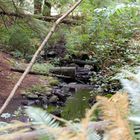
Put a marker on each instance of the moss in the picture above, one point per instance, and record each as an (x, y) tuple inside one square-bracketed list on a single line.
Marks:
[(42, 68), (108, 95), (52, 81), (37, 89)]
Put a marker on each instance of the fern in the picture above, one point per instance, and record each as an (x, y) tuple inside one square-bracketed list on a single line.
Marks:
[(39, 116), (131, 83), (117, 9), (72, 132), (115, 110)]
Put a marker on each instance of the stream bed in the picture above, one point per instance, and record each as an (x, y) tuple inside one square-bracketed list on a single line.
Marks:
[(75, 105)]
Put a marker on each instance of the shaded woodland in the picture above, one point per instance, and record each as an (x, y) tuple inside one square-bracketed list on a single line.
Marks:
[(69, 70)]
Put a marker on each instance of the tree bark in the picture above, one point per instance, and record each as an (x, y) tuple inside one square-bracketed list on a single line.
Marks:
[(36, 54), (66, 71)]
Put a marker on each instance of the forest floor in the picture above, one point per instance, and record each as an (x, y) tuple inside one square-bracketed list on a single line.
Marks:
[(7, 82)]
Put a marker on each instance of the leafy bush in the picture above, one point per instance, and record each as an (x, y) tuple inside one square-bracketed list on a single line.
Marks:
[(105, 31)]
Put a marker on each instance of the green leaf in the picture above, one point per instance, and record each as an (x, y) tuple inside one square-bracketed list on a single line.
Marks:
[(40, 116)]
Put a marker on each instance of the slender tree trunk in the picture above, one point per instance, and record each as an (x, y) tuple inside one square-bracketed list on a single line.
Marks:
[(42, 6), (36, 54)]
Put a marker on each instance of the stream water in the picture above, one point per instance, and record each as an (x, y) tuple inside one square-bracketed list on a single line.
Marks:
[(76, 105)]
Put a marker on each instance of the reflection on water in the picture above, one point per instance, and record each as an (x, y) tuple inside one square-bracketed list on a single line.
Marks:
[(76, 105)]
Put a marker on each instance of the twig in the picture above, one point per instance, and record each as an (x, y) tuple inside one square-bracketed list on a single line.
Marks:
[(36, 54)]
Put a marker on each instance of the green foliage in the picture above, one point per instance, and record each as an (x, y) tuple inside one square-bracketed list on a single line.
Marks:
[(37, 89), (4, 35), (42, 67), (131, 84), (40, 116), (105, 31), (7, 6), (19, 41), (54, 131), (52, 81), (76, 106), (21, 38)]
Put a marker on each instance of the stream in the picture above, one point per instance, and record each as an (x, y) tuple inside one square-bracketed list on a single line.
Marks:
[(75, 105)]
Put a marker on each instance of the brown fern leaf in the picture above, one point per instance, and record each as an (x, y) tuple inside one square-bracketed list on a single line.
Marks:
[(121, 100), (88, 116), (82, 134), (115, 110), (71, 136)]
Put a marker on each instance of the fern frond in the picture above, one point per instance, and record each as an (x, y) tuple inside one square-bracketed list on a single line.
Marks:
[(82, 134), (39, 116), (115, 110), (131, 84), (82, 130), (72, 131)]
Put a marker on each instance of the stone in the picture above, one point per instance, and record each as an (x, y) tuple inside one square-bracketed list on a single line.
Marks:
[(31, 102), (89, 67), (51, 54), (23, 93), (25, 102), (45, 106), (60, 103), (38, 102), (45, 100), (53, 99), (32, 96), (48, 93), (61, 97)]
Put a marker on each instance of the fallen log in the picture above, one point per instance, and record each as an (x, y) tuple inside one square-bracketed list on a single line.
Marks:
[(31, 72), (79, 74), (82, 62), (66, 71), (40, 73), (62, 76), (44, 18), (69, 73)]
